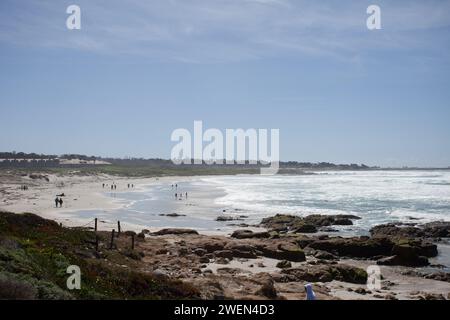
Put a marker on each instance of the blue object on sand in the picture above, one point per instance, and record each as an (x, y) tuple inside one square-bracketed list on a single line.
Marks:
[(310, 295)]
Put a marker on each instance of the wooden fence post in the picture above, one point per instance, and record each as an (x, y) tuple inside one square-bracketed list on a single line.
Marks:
[(132, 242), (95, 225), (118, 229), (112, 239)]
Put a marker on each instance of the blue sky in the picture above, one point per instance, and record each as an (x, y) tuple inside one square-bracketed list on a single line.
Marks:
[(137, 70)]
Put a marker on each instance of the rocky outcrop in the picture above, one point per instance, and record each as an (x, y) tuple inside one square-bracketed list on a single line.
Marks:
[(414, 247), (324, 255), (249, 234), (401, 230), (436, 230), (284, 264), (268, 290), (229, 218), (409, 261), (173, 215), (308, 224), (282, 251), (330, 220), (405, 252), (174, 231), (439, 276), (411, 253), (242, 250), (354, 247), (396, 231), (324, 273)]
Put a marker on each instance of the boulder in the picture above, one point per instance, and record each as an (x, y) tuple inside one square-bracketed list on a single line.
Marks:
[(174, 231), (343, 222), (308, 224), (326, 273), (330, 220), (212, 246), (222, 260), (204, 259), (200, 252), (289, 252), (396, 230), (173, 215), (303, 228), (413, 261), (248, 234), (439, 276), (224, 254), (415, 248), (228, 218), (439, 229), (354, 247), (323, 255), (411, 253), (284, 264), (242, 250), (280, 222), (268, 290)]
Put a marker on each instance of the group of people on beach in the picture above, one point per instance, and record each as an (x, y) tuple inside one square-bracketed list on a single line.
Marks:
[(179, 195), (58, 201), (23, 187), (114, 186)]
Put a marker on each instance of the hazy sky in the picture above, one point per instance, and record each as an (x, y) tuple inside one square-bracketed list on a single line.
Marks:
[(137, 70)]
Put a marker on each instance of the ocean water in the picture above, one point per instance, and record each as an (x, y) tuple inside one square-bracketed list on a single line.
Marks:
[(375, 196)]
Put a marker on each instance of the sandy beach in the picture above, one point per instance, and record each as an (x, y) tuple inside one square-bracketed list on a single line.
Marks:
[(85, 198), (80, 193)]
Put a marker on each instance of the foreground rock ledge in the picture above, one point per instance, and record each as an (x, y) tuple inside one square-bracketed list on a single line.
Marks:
[(185, 264)]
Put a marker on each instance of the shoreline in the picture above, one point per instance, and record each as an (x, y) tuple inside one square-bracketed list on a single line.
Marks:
[(82, 193), (85, 196)]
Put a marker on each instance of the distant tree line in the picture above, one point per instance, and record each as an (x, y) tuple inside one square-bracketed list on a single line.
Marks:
[(29, 163), (22, 159), (23, 155)]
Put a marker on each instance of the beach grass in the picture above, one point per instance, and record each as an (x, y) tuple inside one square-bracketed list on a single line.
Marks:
[(35, 254)]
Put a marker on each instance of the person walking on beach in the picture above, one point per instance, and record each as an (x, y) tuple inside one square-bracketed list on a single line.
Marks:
[(186, 195), (56, 202), (112, 187), (60, 202), (176, 195)]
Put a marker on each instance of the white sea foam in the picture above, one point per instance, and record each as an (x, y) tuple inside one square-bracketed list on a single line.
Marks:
[(376, 196)]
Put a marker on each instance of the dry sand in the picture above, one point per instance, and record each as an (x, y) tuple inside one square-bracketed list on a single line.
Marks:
[(81, 193)]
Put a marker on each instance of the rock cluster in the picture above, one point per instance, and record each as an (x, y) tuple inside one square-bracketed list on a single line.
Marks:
[(308, 224)]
